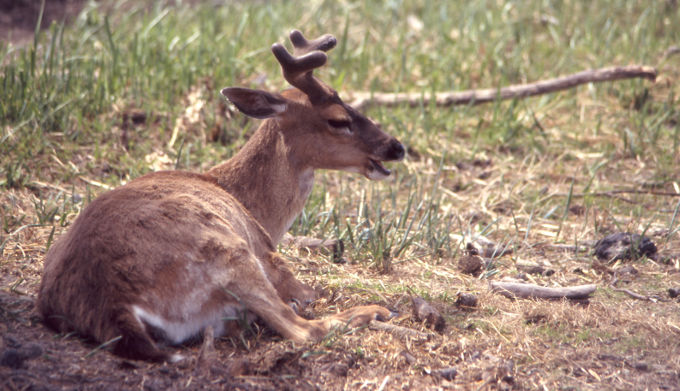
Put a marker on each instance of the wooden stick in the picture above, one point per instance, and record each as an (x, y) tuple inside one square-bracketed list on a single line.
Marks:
[(361, 100), (614, 193), (514, 290), (652, 298)]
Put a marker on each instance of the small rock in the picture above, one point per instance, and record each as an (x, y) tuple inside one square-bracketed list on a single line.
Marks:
[(674, 292), (628, 269), (424, 311), (486, 248), (641, 366), (471, 264), (12, 358), (625, 246), (338, 250), (338, 369), (446, 373), (410, 359), (506, 371), (471, 249), (535, 317), (466, 300), (15, 358), (535, 269), (11, 341), (32, 350)]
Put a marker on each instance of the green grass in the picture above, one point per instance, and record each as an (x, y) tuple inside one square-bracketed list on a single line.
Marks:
[(65, 94)]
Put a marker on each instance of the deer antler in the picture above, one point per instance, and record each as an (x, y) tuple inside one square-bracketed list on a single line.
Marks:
[(303, 46), (309, 55)]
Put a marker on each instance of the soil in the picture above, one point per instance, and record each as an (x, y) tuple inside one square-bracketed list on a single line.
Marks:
[(18, 18)]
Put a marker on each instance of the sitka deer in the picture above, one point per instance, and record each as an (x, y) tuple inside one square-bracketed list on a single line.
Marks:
[(158, 261)]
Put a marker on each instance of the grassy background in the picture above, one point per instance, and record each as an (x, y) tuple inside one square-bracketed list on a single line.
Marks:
[(94, 104)]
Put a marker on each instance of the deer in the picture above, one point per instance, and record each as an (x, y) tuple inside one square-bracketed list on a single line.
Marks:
[(161, 260)]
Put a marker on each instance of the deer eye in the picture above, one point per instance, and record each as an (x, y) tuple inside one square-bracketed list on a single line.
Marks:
[(339, 124)]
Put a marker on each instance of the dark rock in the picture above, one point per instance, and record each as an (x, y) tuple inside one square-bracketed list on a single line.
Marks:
[(535, 269), (12, 358), (471, 264), (424, 311), (640, 366), (471, 249), (15, 357), (446, 373), (466, 300), (11, 341), (338, 369), (674, 292), (625, 246), (32, 350)]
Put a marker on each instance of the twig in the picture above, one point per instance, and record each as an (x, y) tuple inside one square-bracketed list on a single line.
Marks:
[(614, 194), (514, 289), (637, 296), (652, 298), (95, 183), (451, 98), (671, 51), (102, 346), (384, 383)]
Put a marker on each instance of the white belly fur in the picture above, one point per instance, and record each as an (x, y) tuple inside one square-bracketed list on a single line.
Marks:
[(178, 331)]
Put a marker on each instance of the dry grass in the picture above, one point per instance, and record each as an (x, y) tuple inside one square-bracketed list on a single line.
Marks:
[(615, 342)]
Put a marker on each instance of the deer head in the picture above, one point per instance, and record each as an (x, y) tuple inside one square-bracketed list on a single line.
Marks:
[(321, 131)]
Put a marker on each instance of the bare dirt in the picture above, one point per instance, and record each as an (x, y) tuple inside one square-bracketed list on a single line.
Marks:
[(18, 18)]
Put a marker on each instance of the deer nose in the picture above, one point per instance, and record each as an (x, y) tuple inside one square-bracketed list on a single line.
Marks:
[(396, 151)]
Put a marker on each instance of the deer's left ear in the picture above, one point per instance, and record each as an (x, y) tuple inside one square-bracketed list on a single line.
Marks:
[(255, 103)]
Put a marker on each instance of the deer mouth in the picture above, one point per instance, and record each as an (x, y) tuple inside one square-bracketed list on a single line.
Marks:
[(376, 171)]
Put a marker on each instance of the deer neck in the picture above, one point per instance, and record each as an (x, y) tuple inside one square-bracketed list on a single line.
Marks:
[(268, 179)]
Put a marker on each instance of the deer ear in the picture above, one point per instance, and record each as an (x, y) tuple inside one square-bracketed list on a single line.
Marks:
[(255, 103)]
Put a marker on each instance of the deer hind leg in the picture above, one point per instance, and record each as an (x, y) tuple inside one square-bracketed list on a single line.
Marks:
[(299, 295), (135, 342), (262, 298)]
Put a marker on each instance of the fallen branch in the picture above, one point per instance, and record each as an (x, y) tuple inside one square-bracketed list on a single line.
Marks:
[(360, 100), (614, 194), (514, 290), (637, 296), (399, 331)]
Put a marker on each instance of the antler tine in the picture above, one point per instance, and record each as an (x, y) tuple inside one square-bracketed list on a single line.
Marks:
[(302, 46), (309, 55)]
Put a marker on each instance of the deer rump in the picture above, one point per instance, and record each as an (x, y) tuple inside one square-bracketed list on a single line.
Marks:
[(170, 254), (154, 258)]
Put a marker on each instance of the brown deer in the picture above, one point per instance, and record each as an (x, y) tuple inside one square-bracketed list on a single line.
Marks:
[(163, 258)]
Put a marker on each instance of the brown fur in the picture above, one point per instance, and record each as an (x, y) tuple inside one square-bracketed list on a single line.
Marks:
[(171, 253)]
